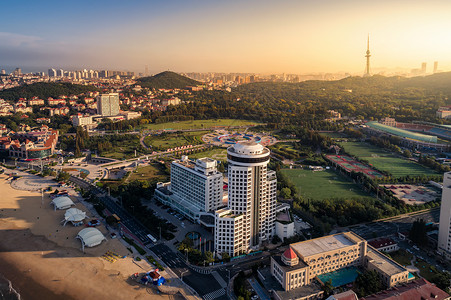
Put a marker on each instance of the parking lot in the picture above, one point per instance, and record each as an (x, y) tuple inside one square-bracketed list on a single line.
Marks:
[(183, 225)]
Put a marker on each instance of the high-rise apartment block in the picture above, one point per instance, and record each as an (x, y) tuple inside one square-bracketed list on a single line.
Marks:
[(423, 68), (52, 73), (252, 201), (108, 104), (196, 187), (444, 232), (435, 67)]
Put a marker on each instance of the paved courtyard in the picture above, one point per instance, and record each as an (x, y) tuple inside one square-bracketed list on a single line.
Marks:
[(28, 182)]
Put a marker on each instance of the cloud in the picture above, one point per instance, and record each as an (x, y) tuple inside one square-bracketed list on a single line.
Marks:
[(10, 39)]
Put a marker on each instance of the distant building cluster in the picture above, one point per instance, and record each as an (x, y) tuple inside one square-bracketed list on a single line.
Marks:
[(89, 74)]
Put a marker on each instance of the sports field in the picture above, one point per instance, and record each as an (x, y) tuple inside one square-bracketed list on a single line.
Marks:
[(352, 165), (200, 124), (323, 184), (385, 160)]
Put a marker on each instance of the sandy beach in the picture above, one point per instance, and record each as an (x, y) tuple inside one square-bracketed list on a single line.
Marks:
[(44, 260)]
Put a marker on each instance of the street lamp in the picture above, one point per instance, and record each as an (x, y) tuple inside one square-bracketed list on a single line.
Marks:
[(186, 251)]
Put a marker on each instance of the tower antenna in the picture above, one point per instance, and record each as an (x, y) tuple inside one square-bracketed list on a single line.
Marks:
[(368, 55)]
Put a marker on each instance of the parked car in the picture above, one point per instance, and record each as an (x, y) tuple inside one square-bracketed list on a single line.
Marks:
[(93, 223)]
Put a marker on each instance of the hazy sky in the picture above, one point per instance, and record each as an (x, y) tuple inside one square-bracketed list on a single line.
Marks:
[(297, 36)]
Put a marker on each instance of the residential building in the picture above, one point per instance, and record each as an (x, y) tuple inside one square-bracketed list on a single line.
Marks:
[(35, 101), (419, 289), (443, 112), (54, 102), (108, 104), (131, 114), (83, 120), (171, 101), (252, 194), (196, 187), (444, 231), (386, 245), (52, 73), (348, 295), (388, 121)]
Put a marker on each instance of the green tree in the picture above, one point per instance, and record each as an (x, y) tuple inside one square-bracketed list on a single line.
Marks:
[(285, 193), (418, 234), (327, 288), (367, 283)]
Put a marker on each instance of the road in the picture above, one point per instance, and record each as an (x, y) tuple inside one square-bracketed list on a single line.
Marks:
[(206, 285), (127, 219)]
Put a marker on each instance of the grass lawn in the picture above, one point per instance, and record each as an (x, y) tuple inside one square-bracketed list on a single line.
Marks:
[(216, 153), (385, 160), (199, 124), (426, 270), (401, 256), (171, 140), (323, 184), (117, 155), (150, 172)]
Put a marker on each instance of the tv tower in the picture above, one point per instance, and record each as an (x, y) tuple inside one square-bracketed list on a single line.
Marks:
[(368, 55)]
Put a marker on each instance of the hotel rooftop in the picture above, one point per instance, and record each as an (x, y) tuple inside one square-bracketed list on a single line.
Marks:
[(384, 264), (326, 244)]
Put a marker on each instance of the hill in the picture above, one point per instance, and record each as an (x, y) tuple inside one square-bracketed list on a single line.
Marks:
[(376, 97), (44, 90), (167, 80)]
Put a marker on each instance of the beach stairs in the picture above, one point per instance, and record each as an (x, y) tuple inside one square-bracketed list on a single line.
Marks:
[(110, 256)]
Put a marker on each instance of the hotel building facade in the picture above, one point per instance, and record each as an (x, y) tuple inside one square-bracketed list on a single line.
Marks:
[(196, 187), (304, 261), (252, 201)]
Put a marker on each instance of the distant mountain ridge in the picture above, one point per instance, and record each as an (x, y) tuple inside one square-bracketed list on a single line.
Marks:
[(167, 80), (45, 90)]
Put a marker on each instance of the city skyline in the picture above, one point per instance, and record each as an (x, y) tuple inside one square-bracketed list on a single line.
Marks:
[(256, 37)]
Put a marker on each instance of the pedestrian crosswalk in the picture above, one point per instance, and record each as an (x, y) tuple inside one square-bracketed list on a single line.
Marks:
[(219, 279), (214, 294)]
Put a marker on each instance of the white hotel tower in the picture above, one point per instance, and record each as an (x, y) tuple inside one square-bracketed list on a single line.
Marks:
[(249, 219), (444, 231)]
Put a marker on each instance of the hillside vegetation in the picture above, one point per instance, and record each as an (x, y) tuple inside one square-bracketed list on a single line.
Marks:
[(406, 99), (167, 80), (44, 90)]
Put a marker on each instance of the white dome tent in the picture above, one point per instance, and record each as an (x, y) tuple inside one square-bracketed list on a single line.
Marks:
[(90, 237), (62, 202), (74, 215)]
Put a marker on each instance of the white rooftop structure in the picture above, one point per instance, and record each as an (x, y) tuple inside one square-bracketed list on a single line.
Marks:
[(248, 148), (74, 215), (90, 237), (325, 244), (62, 202)]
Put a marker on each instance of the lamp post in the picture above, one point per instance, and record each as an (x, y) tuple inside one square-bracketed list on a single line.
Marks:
[(186, 251)]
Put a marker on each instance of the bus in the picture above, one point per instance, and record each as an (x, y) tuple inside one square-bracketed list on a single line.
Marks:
[(117, 218), (152, 238)]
